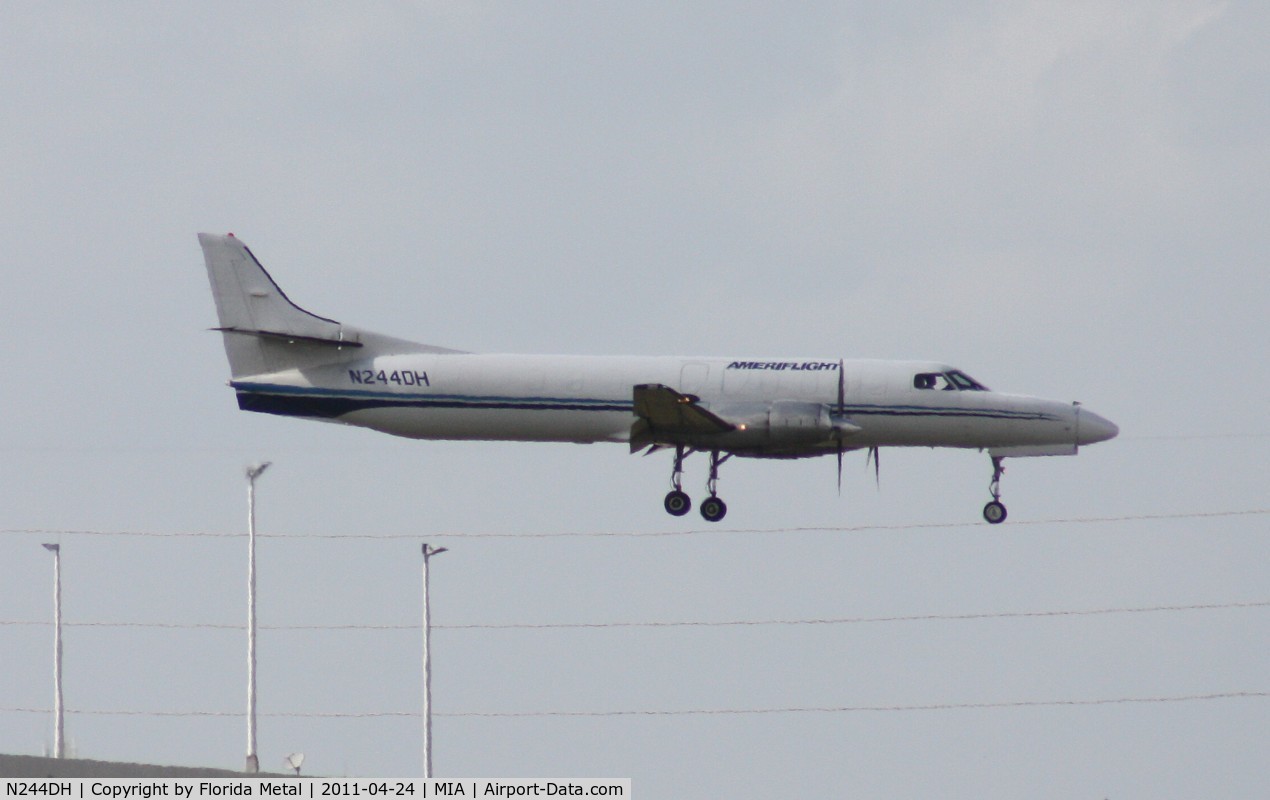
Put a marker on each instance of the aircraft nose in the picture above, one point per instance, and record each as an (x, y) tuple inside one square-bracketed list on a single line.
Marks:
[(1094, 428)]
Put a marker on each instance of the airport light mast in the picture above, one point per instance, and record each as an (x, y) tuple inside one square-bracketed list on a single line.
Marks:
[(428, 552), (253, 472), (59, 746)]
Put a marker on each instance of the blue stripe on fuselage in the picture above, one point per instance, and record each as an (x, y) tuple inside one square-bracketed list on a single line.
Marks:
[(297, 401), (302, 401), (929, 411)]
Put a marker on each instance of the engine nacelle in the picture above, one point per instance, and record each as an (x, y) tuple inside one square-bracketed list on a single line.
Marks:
[(798, 422), (778, 425)]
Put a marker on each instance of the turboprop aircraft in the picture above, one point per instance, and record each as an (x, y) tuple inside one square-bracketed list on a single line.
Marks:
[(285, 360)]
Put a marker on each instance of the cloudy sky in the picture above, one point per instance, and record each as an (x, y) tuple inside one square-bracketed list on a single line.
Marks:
[(1063, 199)]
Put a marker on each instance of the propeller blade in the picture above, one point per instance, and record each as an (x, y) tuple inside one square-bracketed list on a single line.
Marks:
[(841, 412), (877, 465), (842, 390)]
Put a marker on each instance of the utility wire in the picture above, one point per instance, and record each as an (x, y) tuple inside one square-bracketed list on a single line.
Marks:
[(673, 624), (1190, 436), (684, 712), (863, 620), (852, 709), (603, 534)]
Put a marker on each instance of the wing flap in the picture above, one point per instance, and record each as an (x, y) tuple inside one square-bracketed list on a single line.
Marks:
[(667, 416)]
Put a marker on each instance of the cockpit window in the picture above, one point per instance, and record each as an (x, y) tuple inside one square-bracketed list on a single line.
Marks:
[(964, 381), (953, 380)]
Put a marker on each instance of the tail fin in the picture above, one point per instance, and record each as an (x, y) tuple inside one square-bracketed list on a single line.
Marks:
[(265, 332)]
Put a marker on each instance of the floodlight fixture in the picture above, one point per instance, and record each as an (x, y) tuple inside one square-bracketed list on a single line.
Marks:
[(254, 470)]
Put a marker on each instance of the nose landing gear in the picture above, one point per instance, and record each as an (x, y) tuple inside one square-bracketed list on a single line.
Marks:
[(994, 512)]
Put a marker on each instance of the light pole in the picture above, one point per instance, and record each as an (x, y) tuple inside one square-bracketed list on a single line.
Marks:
[(428, 552), (59, 748), (253, 472)]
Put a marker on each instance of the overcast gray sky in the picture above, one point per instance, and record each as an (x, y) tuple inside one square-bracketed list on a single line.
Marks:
[(1062, 199)]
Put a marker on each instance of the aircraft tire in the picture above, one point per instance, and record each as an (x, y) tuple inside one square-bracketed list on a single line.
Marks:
[(994, 513), (678, 503), (713, 509)]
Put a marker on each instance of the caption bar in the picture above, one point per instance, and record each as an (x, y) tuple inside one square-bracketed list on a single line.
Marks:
[(204, 789)]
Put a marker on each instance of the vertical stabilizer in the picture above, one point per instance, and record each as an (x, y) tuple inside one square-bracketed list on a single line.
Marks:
[(247, 299), (264, 331)]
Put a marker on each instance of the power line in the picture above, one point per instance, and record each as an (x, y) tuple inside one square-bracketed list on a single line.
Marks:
[(1191, 436), (676, 623), (865, 620), (640, 534), (951, 706), (684, 712), (148, 534)]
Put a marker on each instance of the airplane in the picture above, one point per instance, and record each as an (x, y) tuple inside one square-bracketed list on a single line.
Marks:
[(287, 361)]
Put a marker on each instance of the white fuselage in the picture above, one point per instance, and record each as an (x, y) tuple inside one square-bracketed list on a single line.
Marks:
[(589, 399)]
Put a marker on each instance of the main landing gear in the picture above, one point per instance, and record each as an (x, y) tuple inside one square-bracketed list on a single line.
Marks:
[(712, 508), (994, 512), (677, 501)]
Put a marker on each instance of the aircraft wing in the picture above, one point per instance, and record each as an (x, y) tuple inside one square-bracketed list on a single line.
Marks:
[(666, 416)]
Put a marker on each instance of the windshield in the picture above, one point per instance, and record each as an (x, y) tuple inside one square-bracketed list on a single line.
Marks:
[(952, 381)]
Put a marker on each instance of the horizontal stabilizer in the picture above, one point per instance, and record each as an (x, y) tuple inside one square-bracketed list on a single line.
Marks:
[(292, 338)]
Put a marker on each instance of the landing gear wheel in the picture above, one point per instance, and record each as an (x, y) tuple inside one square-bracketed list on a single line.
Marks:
[(994, 511), (713, 509), (678, 503)]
